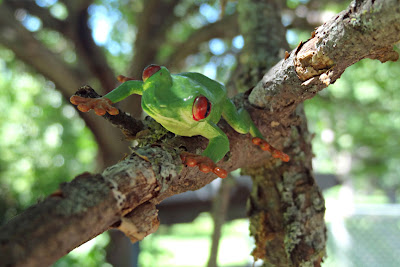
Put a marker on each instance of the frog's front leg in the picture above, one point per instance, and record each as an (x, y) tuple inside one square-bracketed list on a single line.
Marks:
[(218, 146), (241, 121), (104, 104)]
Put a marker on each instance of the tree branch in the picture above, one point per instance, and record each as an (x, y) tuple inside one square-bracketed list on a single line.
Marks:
[(366, 30), (279, 208), (151, 33), (149, 38), (45, 16), (75, 6), (86, 48), (127, 124), (76, 28), (227, 27), (91, 203), (18, 39)]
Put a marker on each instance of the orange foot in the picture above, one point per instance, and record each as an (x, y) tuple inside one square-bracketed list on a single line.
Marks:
[(205, 164), (100, 105), (267, 147)]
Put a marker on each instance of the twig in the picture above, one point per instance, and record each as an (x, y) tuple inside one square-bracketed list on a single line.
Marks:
[(126, 123)]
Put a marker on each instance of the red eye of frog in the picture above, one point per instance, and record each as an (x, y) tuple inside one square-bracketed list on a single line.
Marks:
[(201, 108), (149, 71)]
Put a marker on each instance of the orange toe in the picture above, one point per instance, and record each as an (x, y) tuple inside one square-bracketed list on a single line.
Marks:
[(204, 167), (205, 164), (220, 172), (113, 111), (285, 157), (267, 147), (83, 108), (100, 111), (256, 140), (191, 162)]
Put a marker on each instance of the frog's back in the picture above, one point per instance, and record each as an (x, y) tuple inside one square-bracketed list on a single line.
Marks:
[(216, 89)]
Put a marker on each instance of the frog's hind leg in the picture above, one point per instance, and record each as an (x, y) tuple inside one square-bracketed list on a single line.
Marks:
[(241, 121), (218, 146)]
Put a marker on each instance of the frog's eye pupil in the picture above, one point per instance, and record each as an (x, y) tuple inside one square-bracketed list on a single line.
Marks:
[(149, 71), (201, 108)]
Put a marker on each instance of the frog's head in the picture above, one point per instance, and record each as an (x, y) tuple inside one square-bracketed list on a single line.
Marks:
[(154, 75)]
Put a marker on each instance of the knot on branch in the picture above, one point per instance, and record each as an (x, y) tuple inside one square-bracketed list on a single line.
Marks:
[(140, 222), (384, 54), (310, 61)]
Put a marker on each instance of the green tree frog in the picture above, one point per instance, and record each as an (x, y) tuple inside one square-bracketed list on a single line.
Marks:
[(186, 104)]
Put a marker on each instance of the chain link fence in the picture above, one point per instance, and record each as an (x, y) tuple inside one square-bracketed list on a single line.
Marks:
[(368, 237)]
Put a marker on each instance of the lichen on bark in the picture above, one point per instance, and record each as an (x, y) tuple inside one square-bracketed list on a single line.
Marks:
[(287, 225)]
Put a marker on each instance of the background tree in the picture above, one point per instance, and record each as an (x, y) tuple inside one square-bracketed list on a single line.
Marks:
[(57, 39)]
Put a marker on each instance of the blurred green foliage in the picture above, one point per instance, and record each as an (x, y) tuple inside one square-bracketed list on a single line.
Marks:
[(189, 244), (43, 142), (92, 253), (357, 126)]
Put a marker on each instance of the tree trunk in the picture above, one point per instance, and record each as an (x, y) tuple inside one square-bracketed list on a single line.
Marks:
[(287, 228)]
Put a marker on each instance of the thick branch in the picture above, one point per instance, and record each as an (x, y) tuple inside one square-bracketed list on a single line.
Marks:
[(287, 209), (92, 203), (86, 48), (366, 30), (279, 207)]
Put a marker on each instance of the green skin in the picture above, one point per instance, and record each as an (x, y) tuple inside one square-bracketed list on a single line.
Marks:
[(168, 98)]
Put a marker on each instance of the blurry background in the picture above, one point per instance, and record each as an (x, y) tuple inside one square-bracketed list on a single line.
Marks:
[(48, 48)]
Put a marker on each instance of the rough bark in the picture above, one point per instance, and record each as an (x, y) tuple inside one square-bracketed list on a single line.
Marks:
[(286, 208), (287, 228), (367, 29), (92, 203), (124, 195)]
